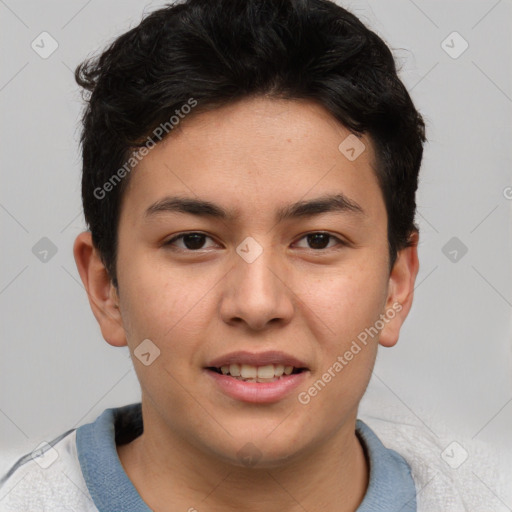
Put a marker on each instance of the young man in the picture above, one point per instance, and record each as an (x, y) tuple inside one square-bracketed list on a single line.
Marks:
[(249, 178)]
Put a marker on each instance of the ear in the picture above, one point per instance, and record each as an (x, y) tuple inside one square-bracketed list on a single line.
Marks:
[(102, 294), (400, 291)]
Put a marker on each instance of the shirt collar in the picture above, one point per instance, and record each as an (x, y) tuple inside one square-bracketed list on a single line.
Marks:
[(390, 485), (108, 484)]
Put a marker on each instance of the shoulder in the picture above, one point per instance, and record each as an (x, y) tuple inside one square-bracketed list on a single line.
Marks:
[(49, 478), (448, 471)]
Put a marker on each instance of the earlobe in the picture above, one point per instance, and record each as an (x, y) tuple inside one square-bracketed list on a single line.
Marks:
[(400, 291), (101, 293)]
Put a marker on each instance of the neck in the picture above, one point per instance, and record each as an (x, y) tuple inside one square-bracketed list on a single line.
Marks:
[(174, 475)]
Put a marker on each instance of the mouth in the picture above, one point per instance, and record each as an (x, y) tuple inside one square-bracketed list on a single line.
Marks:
[(257, 377), (250, 373)]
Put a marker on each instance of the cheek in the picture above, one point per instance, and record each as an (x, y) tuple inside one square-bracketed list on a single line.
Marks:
[(167, 306), (346, 301), (170, 310), (348, 306)]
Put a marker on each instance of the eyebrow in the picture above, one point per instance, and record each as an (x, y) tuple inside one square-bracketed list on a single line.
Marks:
[(337, 203)]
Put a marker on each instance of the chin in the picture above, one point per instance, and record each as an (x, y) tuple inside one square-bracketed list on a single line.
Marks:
[(264, 449)]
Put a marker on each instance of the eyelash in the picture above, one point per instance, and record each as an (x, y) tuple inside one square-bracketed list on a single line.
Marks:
[(182, 235)]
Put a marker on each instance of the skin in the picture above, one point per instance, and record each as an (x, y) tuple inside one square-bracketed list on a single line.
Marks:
[(253, 156)]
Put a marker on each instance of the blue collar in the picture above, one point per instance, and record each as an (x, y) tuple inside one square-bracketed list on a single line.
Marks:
[(390, 487), (108, 484)]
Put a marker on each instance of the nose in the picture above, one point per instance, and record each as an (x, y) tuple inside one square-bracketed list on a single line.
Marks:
[(257, 294)]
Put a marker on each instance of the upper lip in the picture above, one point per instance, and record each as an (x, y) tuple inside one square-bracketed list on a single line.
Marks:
[(256, 359)]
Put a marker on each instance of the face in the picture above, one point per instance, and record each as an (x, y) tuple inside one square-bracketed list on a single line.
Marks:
[(250, 243)]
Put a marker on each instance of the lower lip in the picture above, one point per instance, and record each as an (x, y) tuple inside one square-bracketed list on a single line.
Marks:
[(257, 392)]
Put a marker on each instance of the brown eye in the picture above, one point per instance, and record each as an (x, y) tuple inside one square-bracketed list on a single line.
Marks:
[(189, 241), (319, 241)]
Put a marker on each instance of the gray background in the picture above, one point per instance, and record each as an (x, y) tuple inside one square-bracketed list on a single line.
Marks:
[(452, 368)]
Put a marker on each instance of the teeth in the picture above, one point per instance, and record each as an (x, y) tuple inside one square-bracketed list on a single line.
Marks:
[(266, 372), (249, 373), (234, 370), (278, 370)]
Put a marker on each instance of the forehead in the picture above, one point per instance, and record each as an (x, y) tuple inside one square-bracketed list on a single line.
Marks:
[(259, 150)]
